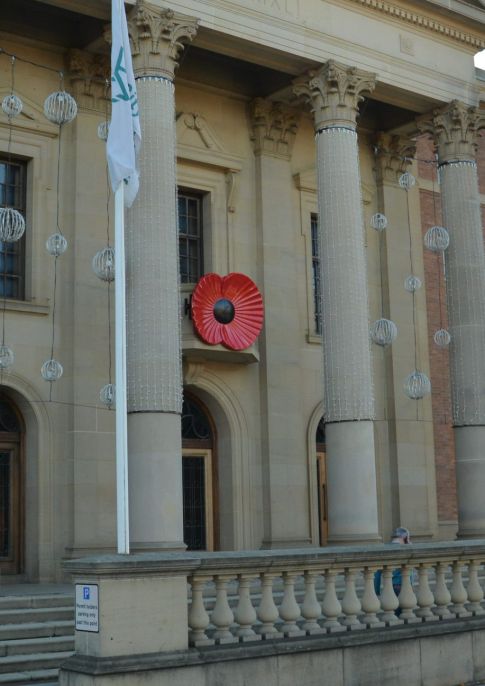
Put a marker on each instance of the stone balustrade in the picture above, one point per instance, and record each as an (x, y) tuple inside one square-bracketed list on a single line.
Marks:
[(279, 595)]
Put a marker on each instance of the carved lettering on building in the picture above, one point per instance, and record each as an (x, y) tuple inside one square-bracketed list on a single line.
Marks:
[(288, 8)]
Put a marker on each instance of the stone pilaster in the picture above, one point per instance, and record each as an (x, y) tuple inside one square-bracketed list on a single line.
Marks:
[(153, 318), (334, 92), (455, 128), (409, 424), (274, 128)]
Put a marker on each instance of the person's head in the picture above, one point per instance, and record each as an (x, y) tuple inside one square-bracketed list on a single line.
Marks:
[(402, 534)]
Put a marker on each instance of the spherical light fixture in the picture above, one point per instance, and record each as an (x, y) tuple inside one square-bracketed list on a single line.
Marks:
[(12, 105), (417, 385), (437, 239), (103, 130), (104, 264), (412, 283), (60, 107), (378, 221), (12, 225), (51, 370), (56, 245), (383, 332), (407, 180), (107, 395), (442, 338), (6, 357)]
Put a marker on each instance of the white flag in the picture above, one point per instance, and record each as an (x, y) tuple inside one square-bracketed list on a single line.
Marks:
[(124, 136)]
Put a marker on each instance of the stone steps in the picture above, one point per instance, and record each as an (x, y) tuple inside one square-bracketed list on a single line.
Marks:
[(36, 636)]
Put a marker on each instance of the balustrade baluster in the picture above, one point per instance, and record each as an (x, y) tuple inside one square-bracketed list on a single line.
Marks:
[(331, 606), (442, 596), (407, 598), (459, 595), (289, 608), (350, 602), (370, 601), (222, 616), (267, 610), (389, 600), (311, 609), (198, 617), (475, 591), (245, 614), (425, 597)]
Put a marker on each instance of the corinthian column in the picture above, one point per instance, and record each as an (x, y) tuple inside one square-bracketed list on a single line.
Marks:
[(455, 129), (152, 298), (334, 92)]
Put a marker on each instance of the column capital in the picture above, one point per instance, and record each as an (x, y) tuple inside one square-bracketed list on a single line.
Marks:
[(454, 128), (157, 37), (334, 92), (274, 126), (89, 75), (394, 154)]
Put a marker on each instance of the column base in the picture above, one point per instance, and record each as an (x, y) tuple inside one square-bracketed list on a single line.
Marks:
[(357, 539), (157, 546)]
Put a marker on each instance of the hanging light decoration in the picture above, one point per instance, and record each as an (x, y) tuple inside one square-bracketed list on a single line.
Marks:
[(412, 283), (56, 244), (417, 385), (60, 107), (104, 264), (378, 221), (437, 239), (12, 225), (383, 332), (407, 180), (6, 357), (51, 370), (103, 130), (442, 338), (107, 395), (12, 105)]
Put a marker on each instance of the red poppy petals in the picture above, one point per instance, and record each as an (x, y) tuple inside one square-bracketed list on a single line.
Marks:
[(247, 322)]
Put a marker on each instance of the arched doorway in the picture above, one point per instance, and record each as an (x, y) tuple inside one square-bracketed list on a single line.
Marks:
[(322, 483), (199, 476), (11, 488)]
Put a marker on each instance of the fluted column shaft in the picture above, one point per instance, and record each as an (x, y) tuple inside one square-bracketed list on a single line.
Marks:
[(455, 129), (334, 93), (153, 318)]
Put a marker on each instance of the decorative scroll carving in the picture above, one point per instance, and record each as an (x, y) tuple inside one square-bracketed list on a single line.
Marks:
[(394, 154), (157, 38), (334, 92), (89, 75), (274, 127), (455, 130)]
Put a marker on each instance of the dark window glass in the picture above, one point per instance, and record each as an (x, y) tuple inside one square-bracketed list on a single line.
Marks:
[(320, 437), (5, 488), (190, 236), (194, 502), (317, 287), (12, 255)]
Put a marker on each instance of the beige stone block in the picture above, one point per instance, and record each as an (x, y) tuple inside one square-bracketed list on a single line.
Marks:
[(447, 660), (387, 664)]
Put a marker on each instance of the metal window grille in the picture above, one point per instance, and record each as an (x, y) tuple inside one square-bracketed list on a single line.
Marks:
[(12, 255), (190, 236), (316, 266)]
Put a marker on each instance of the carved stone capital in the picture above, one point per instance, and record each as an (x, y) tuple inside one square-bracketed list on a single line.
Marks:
[(455, 130), (334, 92), (274, 127), (394, 154), (157, 38), (89, 75)]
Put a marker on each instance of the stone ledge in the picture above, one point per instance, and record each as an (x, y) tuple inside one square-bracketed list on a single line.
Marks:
[(192, 657)]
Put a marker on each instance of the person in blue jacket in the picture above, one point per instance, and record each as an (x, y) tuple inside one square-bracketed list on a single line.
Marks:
[(400, 536)]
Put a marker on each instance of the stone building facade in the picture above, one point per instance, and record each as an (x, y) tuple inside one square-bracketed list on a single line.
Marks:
[(283, 117)]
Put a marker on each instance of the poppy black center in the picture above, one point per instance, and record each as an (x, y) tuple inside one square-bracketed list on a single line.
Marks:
[(224, 311)]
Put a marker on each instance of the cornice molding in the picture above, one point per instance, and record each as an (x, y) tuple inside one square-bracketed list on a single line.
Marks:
[(422, 21)]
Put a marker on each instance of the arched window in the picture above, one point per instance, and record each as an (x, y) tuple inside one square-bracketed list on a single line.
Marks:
[(11, 489), (198, 474), (322, 482)]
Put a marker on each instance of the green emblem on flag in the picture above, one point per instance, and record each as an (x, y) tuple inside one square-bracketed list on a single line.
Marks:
[(123, 94)]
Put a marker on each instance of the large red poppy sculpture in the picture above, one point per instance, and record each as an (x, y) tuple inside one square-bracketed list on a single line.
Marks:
[(228, 310)]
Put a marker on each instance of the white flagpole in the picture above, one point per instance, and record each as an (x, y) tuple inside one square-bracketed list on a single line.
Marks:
[(122, 512)]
